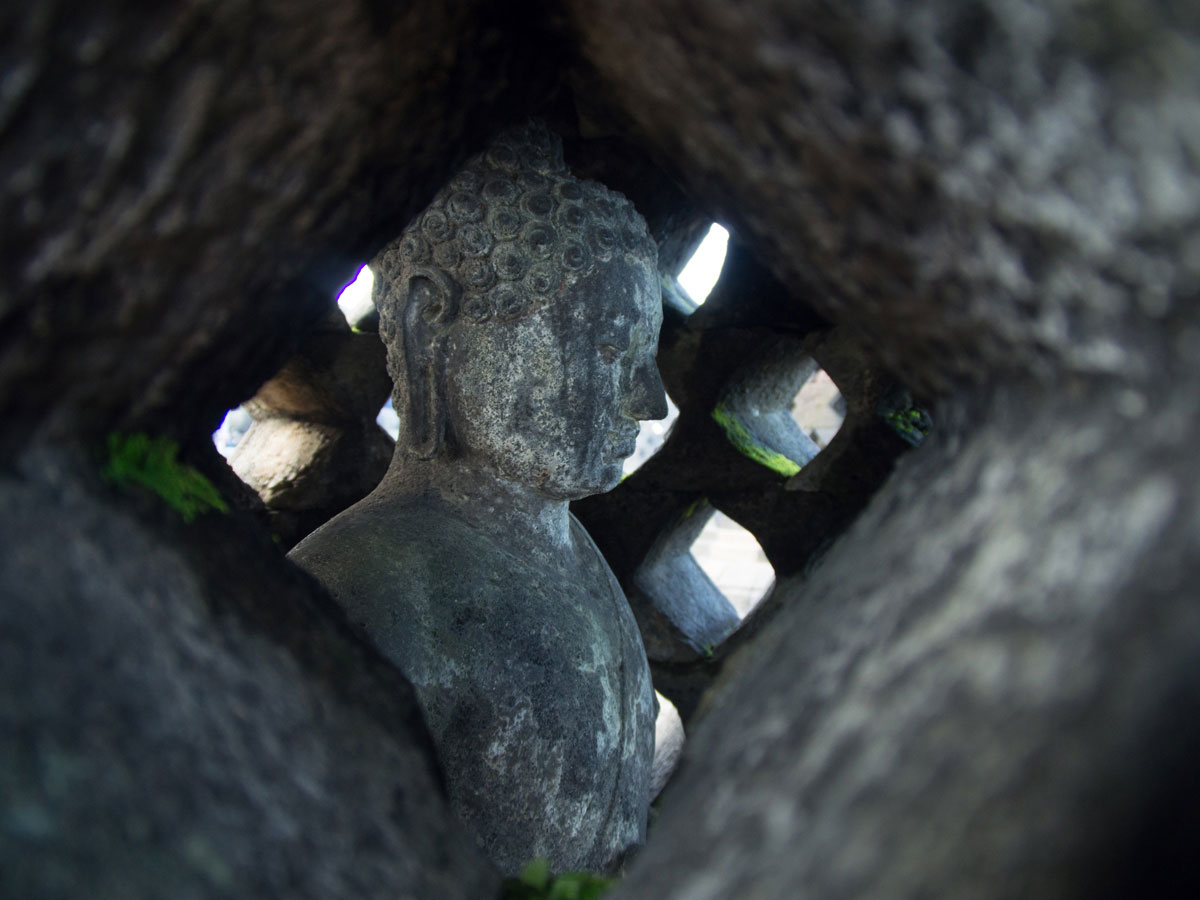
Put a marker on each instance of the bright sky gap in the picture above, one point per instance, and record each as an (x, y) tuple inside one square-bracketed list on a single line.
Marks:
[(704, 268)]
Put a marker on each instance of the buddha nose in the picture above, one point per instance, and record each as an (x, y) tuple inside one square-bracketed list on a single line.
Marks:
[(646, 398)]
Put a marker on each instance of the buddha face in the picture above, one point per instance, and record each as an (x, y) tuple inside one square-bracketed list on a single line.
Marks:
[(553, 400)]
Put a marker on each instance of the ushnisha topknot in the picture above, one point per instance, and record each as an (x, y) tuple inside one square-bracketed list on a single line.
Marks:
[(512, 229)]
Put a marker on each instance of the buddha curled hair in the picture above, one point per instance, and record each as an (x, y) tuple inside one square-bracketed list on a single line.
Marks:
[(512, 229)]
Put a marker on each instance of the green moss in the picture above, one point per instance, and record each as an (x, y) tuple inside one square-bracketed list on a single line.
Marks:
[(741, 438), (912, 424), (206, 859), (151, 463), (536, 883)]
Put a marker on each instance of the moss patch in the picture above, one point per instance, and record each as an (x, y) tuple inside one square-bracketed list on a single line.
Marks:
[(912, 424), (746, 444), (536, 883), (151, 463)]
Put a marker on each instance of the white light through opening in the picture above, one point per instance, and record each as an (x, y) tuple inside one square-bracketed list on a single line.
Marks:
[(733, 560), (704, 268), (355, 299)]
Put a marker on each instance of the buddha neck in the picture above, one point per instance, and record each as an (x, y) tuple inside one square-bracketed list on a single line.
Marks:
[(514, 515)]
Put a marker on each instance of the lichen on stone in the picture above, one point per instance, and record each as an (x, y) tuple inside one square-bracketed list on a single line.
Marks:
[(746, 444), (912, 424)]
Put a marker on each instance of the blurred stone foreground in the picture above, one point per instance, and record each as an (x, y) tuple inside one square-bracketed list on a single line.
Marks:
[(979, 672)]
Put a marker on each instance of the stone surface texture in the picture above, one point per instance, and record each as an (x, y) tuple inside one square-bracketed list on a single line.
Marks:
[(1005, 706), (983, 685), (742, 351), (185, 186), (195, 172), (985, 689), (983, 188), (313, 447), (169, 727)]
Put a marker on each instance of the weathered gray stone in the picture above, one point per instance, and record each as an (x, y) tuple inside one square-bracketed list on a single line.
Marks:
[(204, 178), (716, 362), (669, 738), (186, 715), (989, 689), (981, 188), (680, 612), (314, 447), (521, 313)]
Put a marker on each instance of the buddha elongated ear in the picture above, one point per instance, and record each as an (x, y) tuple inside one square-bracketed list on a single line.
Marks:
[(430, 308)]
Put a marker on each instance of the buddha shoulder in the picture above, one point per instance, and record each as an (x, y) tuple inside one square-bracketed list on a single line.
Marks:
[(431, 592), (387, 552)]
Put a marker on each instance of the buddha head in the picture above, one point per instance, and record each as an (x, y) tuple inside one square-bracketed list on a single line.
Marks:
[(521, 313)]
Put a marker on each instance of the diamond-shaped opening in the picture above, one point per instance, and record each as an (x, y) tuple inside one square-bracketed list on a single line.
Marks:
[(819, 408), (686, 614), (754, 409), (389, 420), (355, 299), (734, 562), (700, 274)]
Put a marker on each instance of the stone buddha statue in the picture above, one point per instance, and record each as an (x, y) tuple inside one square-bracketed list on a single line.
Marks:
[(521, 314)]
